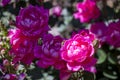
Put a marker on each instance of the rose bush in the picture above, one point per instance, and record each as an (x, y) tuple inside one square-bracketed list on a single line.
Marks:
[(29, 47)]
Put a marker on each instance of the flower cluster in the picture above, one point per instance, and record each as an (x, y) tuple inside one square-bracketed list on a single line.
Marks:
[(87, 10), (31, 24), (30, 41)]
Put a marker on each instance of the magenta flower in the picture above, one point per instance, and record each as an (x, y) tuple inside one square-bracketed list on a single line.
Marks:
[(60, 65), (65, 75), (6, 62), (92, 69), (22, 48), (99, 29), (113, 34), (14, 77), (57, 10), (93, 0), (33, 21), (78, 51), (15, 35), (10, 77), (4, 2), (21, 76), (49, 52), (23, 53), (87, 10)]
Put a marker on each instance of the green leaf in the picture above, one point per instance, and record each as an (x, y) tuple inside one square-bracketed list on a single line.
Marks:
[(112, 58), (101, 56), (110, 75)]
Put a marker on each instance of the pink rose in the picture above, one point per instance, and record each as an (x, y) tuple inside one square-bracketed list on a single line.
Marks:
[(78, 51), (57, 10), (87, 10), (22, 48)]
